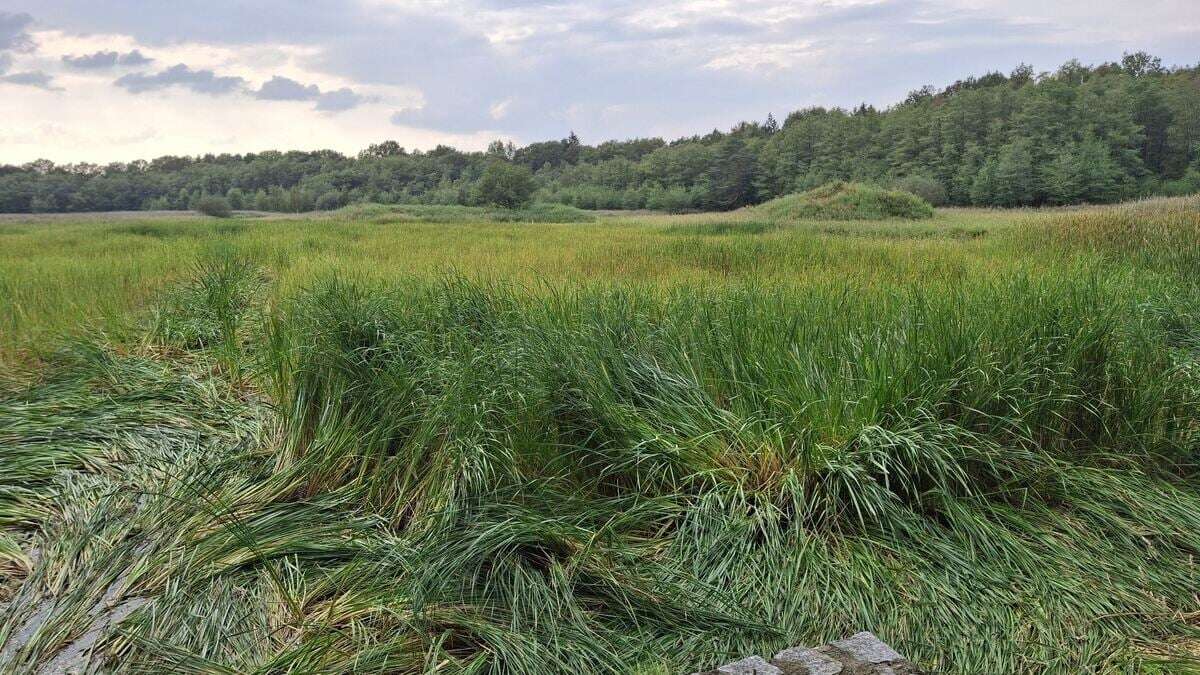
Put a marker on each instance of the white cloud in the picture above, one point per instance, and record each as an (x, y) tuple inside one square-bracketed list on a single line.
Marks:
[(779, 56), (499, 109)]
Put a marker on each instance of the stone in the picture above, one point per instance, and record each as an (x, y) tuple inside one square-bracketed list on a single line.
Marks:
[(867, 648), (76, 656), (754, 665), (802, 661), (859, 654)]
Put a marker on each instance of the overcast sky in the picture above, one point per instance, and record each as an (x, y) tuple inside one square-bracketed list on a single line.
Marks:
[(104, 80)]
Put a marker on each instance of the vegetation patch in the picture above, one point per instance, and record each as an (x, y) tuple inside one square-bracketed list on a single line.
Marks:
[(983, 450), (153, 230), (722, 228), (846, 201), (420, 213), (215, 206)]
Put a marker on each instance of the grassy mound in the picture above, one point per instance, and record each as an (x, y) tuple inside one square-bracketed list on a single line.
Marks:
[(847, 201)]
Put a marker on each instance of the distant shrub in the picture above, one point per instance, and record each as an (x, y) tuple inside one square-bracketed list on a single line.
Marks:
[(847, 201), (924, 187), (673, 199), (329, 201), (212, 205), (506, 185), (236, 197), (1188, 184)]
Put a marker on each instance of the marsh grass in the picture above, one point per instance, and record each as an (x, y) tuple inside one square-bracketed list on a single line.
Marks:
[(627, 446)]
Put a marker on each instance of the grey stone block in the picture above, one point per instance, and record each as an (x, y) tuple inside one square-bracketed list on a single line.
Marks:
[(867, 648), (754, 665), (859, 654), (803, 661)]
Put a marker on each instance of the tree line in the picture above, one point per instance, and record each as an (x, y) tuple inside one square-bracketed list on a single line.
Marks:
[(1079, 134)]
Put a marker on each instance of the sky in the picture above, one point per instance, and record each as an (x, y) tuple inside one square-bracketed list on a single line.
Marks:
[(116, 80)]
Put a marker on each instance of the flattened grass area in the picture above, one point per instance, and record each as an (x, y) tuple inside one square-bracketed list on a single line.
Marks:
[(373, 442)]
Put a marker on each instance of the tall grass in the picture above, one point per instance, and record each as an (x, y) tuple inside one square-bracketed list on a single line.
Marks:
[(988, 462)]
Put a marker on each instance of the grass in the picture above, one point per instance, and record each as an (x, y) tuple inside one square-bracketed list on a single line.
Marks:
[(646, 444), (403, 213)]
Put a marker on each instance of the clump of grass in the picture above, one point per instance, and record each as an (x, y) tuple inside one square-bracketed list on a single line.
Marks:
[(846, 201), (722, 228), (208, 310)]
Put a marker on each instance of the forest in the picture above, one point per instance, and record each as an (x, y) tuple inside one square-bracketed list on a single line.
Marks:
[(1081, 134)]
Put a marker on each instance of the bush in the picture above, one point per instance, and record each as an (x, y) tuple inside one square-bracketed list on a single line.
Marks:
[(1188, 184), (507, 185), (329, 201), (847, 201), (924, 187), (236, 197), (212, 205)]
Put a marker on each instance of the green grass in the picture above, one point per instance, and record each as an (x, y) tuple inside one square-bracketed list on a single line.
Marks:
[(647, 444), (534, 213)]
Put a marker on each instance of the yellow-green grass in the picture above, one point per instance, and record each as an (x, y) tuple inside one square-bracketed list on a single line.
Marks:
[(58, 276)]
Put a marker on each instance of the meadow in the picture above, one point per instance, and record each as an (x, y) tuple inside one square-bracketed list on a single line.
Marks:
[(423, 439)]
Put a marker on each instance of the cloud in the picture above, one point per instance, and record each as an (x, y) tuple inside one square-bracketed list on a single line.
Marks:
[(200, 81), (5, 63), (280, 88), (499, 109), (133, 58), (92, 61), (12, 32), (339, 100), (103, 60), (286, 89), (33, 78)]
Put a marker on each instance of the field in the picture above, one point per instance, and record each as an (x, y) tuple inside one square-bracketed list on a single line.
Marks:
[(400, 439)]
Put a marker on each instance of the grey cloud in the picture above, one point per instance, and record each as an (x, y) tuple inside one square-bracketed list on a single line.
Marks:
[(92, 61), (280, 88), (12, 32), (339, 100), (5, 63), (199, 81), (103, 60), (133, 58), (33, 78)]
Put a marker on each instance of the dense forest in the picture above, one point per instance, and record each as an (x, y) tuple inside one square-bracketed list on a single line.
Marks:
[(1079, 134)]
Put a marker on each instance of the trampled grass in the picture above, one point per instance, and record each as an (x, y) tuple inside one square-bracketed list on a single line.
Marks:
[(644, 444)]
